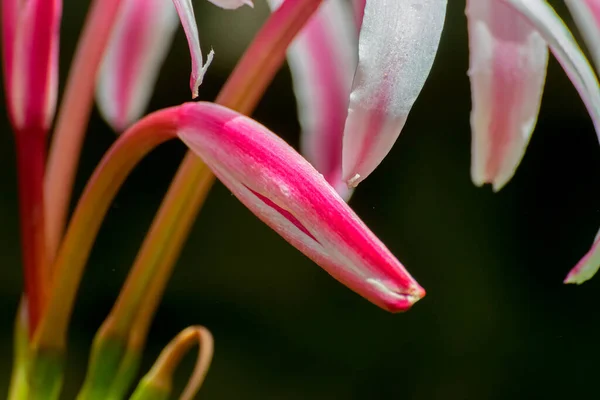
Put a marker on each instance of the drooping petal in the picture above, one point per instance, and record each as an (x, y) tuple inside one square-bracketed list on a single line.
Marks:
[(564, 47), (587, 15), (188, 21), (322, 60), (569, 55), (508, 60), (30, 39), (138, 46), (398, 43), (588, 266), (288, 194)]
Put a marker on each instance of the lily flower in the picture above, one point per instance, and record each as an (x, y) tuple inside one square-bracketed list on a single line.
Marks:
[(322, 59), (508, 56), (138, 47), (30, 41), (286, 192)]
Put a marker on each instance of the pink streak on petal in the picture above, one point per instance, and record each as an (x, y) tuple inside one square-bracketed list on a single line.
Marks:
[(322, 59), (129, 57), (248, 158), (10, 16), (359, 11), (397, 46), (284, 213), (508, 61), (588, 266), (594, 6), (138, 46), (42, 61), (30, 49)]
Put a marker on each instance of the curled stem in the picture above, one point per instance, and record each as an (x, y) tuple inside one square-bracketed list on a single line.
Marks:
[(158, 382)]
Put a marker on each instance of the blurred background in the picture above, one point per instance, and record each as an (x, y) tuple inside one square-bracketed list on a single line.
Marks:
[(497, 322)]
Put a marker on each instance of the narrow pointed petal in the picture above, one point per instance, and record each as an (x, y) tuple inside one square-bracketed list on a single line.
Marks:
[(288, 194), (30, 35), (564, 47), (587, 16), (322, 60), (588, 266), (398, 43), (138, 46), (188, 21), (508, 60)]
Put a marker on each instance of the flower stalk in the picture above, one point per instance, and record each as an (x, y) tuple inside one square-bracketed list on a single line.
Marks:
[(157, 383), (31, 156), (73, 116), (131, 316)]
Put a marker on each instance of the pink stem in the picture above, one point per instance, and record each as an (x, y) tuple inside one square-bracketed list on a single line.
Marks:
[(31, 157), (73, 116)]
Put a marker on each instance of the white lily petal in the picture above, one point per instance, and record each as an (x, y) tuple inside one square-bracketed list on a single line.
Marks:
[(564, 47), (322, 60), (398, 43), (587, 15), (508, 60)]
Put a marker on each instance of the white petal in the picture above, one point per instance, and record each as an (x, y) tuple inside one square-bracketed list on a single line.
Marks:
[(322, 60), (587, 15), (398, 43), (508, 60), (565, 49)]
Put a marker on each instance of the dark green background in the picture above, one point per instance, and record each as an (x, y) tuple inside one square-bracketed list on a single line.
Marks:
[(497, 322)]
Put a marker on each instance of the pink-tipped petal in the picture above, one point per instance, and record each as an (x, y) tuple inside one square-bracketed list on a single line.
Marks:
[(587, 15), (138, 46), (287, 193), (398, 43), (588, 266), (508, 60), (323, 59), (564, 47), (30, 35)]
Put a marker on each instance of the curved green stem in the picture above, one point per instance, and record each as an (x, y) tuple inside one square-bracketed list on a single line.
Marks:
[(108, 177), (73, 116)]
